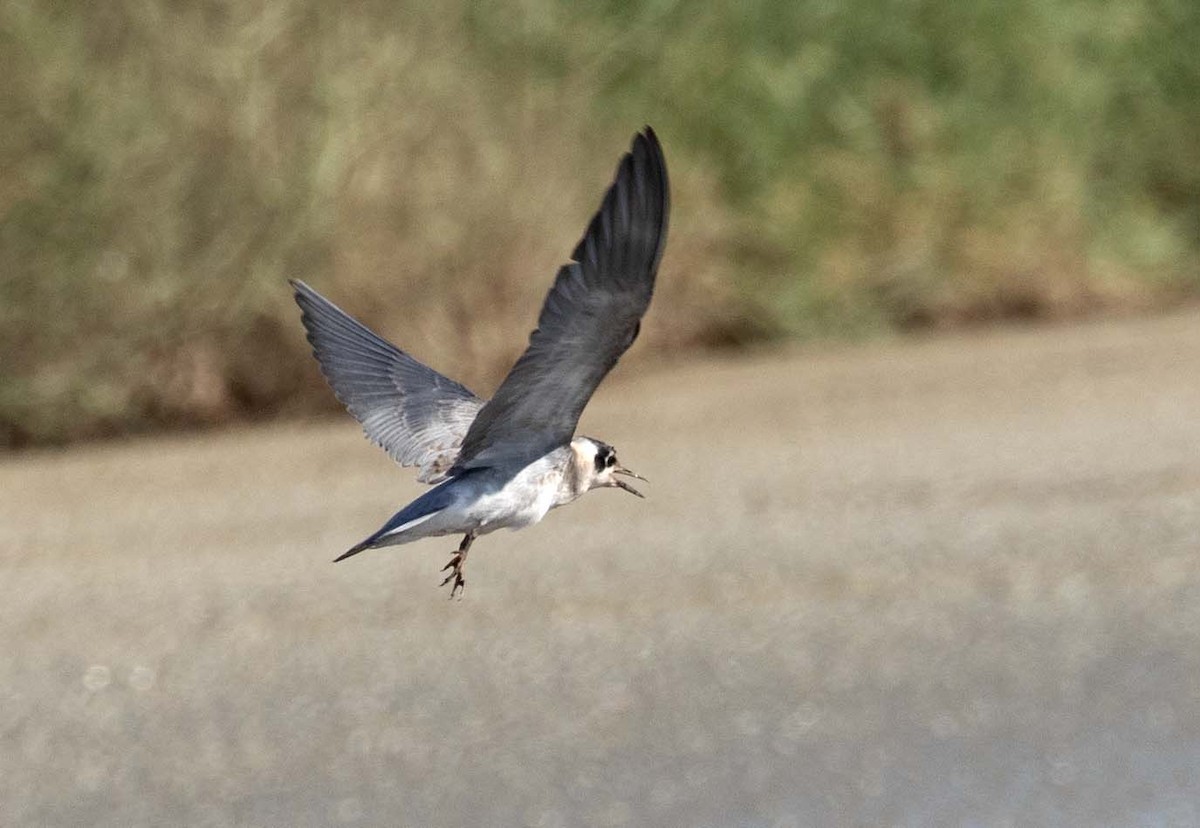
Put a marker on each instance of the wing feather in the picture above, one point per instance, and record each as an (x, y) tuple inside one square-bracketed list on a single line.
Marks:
[(415, 414), (590, 317)]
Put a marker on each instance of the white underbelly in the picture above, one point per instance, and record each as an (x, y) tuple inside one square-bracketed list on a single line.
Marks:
[(522, 502)]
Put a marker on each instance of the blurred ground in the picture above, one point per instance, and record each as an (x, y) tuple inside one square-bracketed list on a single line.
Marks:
[(950, 581)]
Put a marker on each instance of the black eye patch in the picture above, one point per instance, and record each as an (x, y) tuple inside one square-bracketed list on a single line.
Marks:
[(604, 459)]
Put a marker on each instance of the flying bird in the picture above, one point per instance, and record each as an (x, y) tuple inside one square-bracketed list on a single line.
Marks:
[(506, 462)]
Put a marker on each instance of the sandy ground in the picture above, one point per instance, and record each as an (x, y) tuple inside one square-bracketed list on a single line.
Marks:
[(935, 582)]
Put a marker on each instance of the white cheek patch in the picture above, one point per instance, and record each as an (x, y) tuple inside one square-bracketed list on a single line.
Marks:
[(585, 458)]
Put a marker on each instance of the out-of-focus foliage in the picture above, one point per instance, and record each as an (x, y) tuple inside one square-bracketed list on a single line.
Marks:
[(837, 168)]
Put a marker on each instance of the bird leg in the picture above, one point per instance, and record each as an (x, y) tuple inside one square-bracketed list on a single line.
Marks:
[(457, 561)]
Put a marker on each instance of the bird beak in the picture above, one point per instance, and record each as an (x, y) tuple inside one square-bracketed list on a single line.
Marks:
[(621, 484)]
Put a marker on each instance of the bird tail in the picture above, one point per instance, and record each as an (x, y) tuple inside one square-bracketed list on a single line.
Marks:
[(399, 527), (354, 550)]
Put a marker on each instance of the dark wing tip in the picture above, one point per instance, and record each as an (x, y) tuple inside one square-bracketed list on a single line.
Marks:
[(637, 205), (647, 141), (309, 301), (300, 289), (589, 318)]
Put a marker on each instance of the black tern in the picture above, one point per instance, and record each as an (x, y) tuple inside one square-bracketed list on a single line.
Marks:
[(505, 463)]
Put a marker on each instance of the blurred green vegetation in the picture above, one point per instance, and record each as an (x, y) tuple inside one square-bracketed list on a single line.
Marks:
[(838, 169)]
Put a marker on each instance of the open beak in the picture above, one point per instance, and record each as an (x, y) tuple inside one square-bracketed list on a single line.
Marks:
[(621, 484)]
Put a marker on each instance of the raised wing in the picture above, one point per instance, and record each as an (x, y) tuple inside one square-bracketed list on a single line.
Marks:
[(415, 414), (590, 317)]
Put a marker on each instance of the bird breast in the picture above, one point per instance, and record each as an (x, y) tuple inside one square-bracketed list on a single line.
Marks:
[(523, 500)]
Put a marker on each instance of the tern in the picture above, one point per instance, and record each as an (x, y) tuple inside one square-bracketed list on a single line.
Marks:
[(505, 463)]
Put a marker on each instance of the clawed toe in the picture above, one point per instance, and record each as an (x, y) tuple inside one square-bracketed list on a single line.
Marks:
[(455, 566), (459, 583), (457, 561)]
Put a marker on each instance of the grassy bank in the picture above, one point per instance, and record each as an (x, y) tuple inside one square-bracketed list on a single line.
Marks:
[(838, 169)]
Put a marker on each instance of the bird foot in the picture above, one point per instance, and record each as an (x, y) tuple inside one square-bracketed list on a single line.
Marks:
[(455, 566)]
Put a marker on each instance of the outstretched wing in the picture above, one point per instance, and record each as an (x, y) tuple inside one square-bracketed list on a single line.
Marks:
[(414, 413), (590, 317)]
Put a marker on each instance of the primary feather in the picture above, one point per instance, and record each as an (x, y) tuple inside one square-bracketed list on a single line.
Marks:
[(590, 317)]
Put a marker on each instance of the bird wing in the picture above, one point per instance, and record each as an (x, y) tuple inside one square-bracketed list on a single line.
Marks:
[(415, 414), (591, 316)]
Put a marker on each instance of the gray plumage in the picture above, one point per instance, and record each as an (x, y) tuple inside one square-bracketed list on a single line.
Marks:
[(506, 463), (591, 316), (415, 414)]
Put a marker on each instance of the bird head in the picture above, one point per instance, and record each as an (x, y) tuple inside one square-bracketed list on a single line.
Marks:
[(599, 467)]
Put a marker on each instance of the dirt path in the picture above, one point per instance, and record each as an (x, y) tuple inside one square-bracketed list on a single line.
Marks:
[(942, 582)]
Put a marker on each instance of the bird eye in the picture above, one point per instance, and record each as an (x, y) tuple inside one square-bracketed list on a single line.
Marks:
[(610, 461)]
